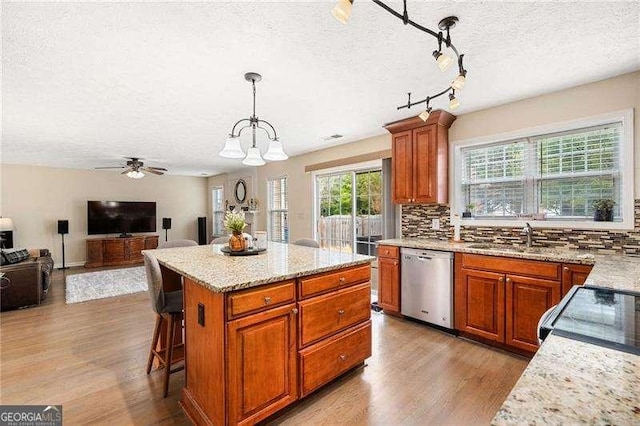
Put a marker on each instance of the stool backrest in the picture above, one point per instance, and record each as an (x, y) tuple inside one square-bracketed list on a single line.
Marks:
[(307, 242), (154, 282), (176, 243)]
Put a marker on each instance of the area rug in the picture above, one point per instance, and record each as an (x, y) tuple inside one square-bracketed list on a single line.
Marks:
[(103, 284)]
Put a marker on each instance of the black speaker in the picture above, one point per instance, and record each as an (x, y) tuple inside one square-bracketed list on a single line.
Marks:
[(166, 223), (202, 231), (63, 227)]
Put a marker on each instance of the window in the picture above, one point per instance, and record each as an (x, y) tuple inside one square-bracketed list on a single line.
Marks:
[(217, 202), (555, 175), (349, 210), (278, 210)]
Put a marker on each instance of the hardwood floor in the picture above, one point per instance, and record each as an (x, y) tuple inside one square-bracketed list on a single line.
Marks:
[(90, 357)]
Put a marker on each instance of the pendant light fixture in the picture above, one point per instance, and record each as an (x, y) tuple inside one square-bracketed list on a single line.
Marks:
[(232, 147), (342, 12)]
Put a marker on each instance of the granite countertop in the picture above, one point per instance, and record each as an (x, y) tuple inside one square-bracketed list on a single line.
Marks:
[(567, 381), (211, 268)]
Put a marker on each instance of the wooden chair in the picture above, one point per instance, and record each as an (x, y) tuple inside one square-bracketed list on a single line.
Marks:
[(307, 242), (168, 307)]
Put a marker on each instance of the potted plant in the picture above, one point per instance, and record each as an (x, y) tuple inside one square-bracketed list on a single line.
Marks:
[(603, 210), (234, 222), (469, 208)]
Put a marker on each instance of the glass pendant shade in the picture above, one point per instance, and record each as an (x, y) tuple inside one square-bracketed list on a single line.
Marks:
[(459, 82), (275, 152), (135, 174), (444, 62), (342, 11), (253, 157), (232, 148), (454, 103), (424, 115)]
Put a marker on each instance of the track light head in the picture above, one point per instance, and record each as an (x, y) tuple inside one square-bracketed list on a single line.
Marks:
[(459, 82), (454, 103), (443, 61), (342, 10), (424, 115)]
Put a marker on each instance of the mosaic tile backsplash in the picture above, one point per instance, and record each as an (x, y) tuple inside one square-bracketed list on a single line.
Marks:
[(416, 222)]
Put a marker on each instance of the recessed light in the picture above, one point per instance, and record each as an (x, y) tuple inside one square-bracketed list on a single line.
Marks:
[(333, 137)]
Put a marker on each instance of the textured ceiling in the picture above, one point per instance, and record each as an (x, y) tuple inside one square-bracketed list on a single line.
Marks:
[(86, 84)]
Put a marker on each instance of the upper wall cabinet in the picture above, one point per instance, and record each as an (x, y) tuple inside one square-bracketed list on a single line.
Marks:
[(420, 158)]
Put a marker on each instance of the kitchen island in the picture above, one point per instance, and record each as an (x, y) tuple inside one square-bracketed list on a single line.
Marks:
[(263, 331)]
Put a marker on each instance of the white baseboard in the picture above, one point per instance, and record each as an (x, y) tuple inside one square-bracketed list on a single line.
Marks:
[(68, 264)]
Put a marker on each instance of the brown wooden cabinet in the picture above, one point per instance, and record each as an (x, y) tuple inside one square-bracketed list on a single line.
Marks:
[(573, 274), (420, 159), (501, 299), (118, 251), (252, 352), (389, 279)]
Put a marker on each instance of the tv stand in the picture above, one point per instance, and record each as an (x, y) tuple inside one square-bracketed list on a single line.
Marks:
[(118, 251), (125, 235)]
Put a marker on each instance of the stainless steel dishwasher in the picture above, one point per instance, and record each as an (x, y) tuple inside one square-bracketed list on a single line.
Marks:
[(427, 286)]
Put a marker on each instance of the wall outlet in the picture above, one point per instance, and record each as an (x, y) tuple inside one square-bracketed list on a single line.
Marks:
[(435, 224)]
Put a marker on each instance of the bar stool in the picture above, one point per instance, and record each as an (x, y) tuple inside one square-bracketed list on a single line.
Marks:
[(168, 307)]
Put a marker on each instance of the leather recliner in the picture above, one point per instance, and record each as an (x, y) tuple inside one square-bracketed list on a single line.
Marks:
[(26, 283)]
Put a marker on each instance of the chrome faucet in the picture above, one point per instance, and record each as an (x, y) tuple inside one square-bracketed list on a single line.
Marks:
[(528, 231)]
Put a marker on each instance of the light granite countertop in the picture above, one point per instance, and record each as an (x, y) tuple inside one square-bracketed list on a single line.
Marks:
[(567, 381), (211, 268)]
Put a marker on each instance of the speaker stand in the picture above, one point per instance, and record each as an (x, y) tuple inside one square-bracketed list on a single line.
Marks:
[(63, 265), (166, 235)]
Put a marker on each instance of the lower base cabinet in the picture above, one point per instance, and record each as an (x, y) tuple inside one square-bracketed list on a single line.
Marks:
[(250, 353)]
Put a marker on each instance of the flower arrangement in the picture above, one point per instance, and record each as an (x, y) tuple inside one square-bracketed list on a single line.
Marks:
[(234, 222)]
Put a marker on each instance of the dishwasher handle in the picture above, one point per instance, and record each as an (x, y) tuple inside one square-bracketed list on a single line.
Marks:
[(424, 257)]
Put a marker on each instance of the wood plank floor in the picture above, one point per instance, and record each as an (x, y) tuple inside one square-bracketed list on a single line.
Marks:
[(90, 357)]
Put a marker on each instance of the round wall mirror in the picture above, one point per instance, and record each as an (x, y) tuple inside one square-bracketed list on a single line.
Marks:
[(241, 191)]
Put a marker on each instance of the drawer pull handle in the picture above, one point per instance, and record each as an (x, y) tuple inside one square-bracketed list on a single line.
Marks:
[(341, 312), (295, 311), (267, 300), (342, 279), (343, 357)]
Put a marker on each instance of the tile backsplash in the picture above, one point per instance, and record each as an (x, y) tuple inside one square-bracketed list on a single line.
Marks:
[(416, 222)]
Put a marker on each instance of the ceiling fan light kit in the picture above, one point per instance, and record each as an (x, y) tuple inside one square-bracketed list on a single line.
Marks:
[(342, 11), (253, 157)]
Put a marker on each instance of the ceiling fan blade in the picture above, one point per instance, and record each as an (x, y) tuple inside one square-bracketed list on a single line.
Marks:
[(149, 170), (162, 169), (113, 167)]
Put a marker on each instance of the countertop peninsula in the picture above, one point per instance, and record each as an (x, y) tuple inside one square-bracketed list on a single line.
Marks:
[(567, 381), (219, 272)]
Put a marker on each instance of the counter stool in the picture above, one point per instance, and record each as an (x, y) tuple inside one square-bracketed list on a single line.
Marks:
[(168, 307)]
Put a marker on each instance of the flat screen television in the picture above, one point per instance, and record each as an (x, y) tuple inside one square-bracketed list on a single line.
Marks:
[(120, 217)]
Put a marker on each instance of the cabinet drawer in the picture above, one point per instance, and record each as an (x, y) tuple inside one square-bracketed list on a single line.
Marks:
[(258, 299), (324, 315), (389, 251), (507, 265), (326, 360), (324, 283)]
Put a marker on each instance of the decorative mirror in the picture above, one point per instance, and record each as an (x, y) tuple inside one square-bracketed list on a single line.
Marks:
[(241, 191)]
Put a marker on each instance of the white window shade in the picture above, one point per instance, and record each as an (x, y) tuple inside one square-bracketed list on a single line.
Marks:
[(278, 210)]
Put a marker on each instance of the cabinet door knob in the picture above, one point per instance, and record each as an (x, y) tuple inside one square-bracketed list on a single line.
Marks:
[(566, 268), (294, 311), (500, 279), (267, 300), (341, 312), (395, 263), (508, 280), (343, 357)]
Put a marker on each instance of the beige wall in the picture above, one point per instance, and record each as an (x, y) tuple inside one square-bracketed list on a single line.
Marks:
[(609, 95), (36, 197)]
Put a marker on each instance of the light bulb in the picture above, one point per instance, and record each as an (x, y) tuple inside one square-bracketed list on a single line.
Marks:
[(275, 152), (443, 61), (454, 103), (253, 157), (424, 115), (342, 10), (232, 148), (459, 81)]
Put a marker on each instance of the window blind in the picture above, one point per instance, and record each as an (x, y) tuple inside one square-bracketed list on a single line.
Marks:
[(278, 226)]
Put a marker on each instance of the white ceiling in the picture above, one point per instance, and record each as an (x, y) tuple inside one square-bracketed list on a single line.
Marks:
[(86, 84)]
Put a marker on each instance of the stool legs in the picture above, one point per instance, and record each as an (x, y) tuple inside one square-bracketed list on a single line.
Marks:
[(171, 326), (154, 342)]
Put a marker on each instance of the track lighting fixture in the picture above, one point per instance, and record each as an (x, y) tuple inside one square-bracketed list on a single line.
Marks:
[(342, 11), (232, 147), (454, 103)]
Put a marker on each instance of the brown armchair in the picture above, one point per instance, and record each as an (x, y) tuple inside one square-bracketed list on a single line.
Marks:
[(26, 283)]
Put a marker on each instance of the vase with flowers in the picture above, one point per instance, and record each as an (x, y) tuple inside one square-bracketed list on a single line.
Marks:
[(234, 222)]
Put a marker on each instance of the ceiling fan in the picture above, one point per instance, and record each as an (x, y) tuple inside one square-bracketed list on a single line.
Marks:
[(135, 168)]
